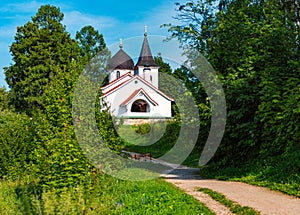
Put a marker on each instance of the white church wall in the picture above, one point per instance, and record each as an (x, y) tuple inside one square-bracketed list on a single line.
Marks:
[(113, 74), (149, 75), (163, 109)]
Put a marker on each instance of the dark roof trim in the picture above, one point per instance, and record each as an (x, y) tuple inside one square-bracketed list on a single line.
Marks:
[(118, 79)]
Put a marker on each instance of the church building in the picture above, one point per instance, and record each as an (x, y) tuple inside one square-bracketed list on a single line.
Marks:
[(133, 91)]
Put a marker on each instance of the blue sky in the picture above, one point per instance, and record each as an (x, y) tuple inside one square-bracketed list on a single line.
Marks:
[(114, 19)]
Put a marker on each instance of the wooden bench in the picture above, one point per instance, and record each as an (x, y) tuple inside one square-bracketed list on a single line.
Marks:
[(139, 156)]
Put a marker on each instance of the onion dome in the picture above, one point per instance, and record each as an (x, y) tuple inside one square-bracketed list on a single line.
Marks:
[(121, 60)]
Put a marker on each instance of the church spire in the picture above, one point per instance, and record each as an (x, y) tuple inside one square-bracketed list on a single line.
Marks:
[(145, 58)]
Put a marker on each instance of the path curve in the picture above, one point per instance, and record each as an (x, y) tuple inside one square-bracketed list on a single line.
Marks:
[(261, 199)]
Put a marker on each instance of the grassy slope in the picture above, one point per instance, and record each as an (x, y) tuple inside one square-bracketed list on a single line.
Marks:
[(139, 135)]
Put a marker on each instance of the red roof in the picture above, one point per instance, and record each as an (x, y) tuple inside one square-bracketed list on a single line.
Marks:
[(141, 79), (116, 80), (136, 92)]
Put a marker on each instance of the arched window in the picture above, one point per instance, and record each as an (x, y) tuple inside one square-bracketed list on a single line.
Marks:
[(140, 106), (118, 74), (151, 78)]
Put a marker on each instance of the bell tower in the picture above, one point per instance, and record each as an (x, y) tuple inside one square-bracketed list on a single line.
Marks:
[(146, 66)]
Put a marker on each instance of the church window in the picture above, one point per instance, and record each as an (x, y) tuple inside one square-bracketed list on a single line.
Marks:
[(151, 78), (118, 74), (146, 68), (140, 106)]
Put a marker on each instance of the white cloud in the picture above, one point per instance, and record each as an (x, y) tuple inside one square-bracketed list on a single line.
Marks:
[(7, 32), (27, 7), (153, 18), (75, 20)]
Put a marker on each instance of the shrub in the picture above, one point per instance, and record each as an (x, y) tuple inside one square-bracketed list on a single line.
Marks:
[(15, 144)]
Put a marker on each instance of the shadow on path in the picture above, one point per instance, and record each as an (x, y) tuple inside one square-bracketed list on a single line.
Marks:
[(183, 172)]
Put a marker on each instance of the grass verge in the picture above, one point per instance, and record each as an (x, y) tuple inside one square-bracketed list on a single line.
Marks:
[(280, 173), (102, 195), (234, 207)]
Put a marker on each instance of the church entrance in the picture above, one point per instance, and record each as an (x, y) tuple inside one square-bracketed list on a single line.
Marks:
[(140, 106)]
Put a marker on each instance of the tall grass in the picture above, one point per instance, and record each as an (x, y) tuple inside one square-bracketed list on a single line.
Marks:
[(103, 195)]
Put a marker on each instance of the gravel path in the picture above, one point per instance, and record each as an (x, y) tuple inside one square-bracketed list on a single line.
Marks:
[(261, 199)]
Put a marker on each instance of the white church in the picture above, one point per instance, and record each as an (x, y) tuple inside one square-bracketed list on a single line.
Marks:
[(133, 91)]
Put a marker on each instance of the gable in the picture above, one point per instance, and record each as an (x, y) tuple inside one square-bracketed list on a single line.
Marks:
[(137, 93), (132, 81)]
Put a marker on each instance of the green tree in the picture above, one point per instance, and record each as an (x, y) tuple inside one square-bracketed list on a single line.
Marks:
[(43, 79), (190, 98), (254, 47), (60, 161), (46, 67), (90, 41), (41, 47), (4, 101), (198, 18)]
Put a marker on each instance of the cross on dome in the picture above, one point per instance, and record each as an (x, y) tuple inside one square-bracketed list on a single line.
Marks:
[(121, 43), (145, 30)]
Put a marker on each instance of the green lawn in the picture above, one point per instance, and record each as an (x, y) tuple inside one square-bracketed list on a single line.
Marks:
[(137, 136)]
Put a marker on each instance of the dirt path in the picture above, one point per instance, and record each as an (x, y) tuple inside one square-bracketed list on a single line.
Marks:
[(261, 199)]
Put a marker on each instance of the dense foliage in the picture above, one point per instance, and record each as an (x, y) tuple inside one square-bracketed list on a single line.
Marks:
[(42, 49), (254, 48), (16, 144), (90, 41), (4, 101), (40, 137)]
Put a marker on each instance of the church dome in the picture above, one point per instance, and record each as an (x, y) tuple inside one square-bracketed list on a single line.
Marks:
[(121, 60)]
